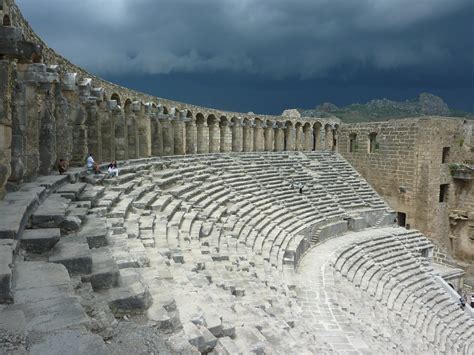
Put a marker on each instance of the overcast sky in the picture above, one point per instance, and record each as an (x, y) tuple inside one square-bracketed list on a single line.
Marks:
[(267, 55)]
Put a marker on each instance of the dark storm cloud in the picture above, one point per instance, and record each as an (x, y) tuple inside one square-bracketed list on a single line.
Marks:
[(281, 39)]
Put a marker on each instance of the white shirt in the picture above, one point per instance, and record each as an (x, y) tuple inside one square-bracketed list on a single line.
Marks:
[(90, 162)]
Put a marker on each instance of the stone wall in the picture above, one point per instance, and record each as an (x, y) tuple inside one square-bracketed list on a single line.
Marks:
[(405, 164)]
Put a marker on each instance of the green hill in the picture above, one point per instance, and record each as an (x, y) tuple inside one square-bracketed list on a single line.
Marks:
[(383, 109)]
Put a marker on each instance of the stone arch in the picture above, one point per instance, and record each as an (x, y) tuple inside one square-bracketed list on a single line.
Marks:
[(165, 110), (372, 144), (214, 134), (316, 135), (174, 112), (202, 134), (352, 144), (334, 132), (189, 114), (6, 20), (116, 97)]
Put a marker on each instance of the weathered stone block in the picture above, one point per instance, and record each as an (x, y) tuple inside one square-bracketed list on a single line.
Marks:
[(40, 240), (74, 342), (105, 272), (76, 257), (132, 295)]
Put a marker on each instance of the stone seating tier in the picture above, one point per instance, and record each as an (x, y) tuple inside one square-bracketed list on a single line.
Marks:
[(227, 230)]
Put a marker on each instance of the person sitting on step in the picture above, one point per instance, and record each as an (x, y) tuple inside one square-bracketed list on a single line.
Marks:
[(62, 166), (113, 169), (92, 166)]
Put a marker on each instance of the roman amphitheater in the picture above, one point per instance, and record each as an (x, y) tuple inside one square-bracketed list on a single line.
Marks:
[(205, 242)]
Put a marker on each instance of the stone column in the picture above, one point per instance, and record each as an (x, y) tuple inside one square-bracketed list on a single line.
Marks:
[(322, 139), (179, 129), (6, 77), (202, 138), (168, 135), (258, 139), (191, 137), (121, 134), (290, 134), (226, 137), (32, 131), (94, 142), (47, 135), (66, 109), (308, 134), (279, 138), (269, 138), (156, 134), (133, 127), (326, 137), (142, 113), (14, 123), (214, 138), (107, 130), (248, 137), (237, 136), (299, 138)]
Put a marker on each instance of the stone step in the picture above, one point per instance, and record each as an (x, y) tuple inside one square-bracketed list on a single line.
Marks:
[(146, 201), (131, 296), (16, 209), (40, 240), (44, 293), (200, 337), (105, 272), (75, 256), (52, 182), (92, 194), (160, 204), (226, 346), (94, 231), (71, 191)]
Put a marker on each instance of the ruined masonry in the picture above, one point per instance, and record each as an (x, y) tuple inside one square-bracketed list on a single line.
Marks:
[(224, 233)]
